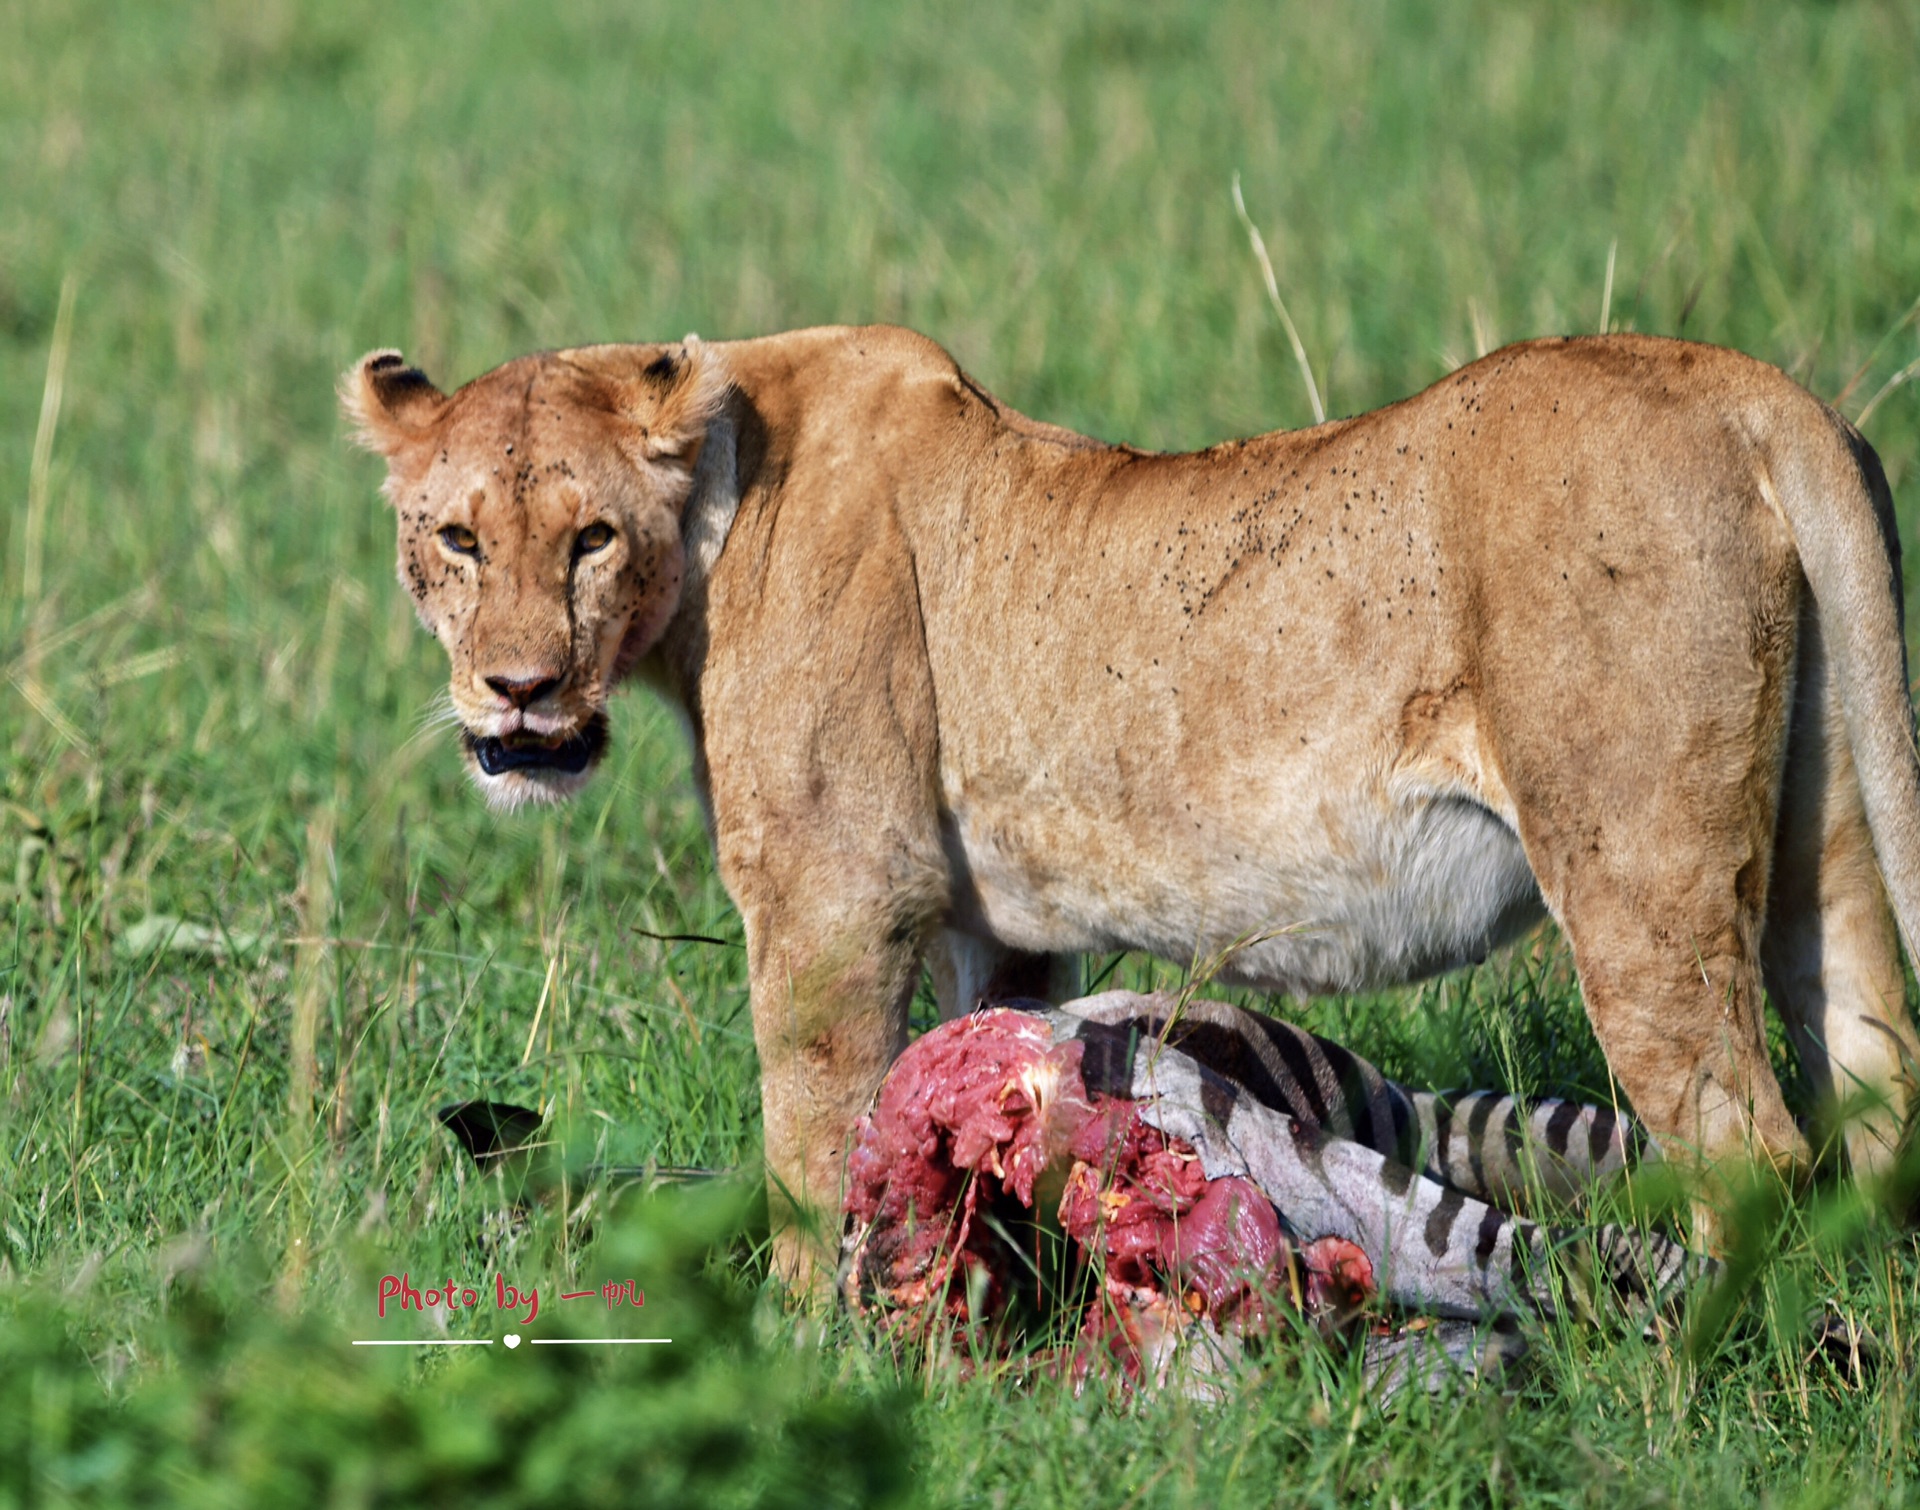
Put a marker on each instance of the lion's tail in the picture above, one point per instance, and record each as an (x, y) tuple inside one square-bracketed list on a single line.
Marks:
[(1840, 509)]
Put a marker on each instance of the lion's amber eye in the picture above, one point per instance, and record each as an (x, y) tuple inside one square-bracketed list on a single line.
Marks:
[(595, 537), (457, 537)]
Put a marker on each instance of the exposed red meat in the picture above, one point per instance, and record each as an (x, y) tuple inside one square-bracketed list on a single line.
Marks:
[(1339, 1276), (973, 1110), (986, 1109), (1230, 1247), (1148, 1210)]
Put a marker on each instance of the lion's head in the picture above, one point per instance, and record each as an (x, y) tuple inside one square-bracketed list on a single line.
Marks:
[(539, 511)]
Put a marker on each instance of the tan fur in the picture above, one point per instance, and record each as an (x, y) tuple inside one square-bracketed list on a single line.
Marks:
[(1369, 695)]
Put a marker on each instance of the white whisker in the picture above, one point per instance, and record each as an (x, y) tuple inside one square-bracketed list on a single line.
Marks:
[(438, 712)]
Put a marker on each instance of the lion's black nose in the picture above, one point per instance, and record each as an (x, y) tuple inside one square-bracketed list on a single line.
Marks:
[(522, 691)]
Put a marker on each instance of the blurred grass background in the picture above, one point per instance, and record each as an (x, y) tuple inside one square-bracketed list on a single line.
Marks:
[(256, 926)]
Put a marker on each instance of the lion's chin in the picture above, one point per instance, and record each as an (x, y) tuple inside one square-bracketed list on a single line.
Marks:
[(525, 768)]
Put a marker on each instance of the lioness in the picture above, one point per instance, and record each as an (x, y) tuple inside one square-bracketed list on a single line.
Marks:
[(1607, 628)]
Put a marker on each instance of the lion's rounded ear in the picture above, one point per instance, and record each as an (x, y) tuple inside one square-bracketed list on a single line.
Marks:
[(390, 403), (668, 404)]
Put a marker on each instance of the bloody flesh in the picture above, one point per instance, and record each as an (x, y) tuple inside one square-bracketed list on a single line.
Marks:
[(987, 1110)]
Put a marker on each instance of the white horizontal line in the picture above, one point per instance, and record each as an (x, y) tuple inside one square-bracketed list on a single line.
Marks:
[(584, 1341), (425, 1342)]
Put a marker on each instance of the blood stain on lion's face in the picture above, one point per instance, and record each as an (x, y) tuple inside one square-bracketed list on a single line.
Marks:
[(539, 517)]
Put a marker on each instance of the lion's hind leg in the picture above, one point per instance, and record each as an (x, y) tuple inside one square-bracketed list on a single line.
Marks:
[(1652, 849), (1669, 971)]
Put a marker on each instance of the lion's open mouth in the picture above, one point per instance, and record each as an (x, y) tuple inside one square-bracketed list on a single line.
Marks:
[(568, 755)]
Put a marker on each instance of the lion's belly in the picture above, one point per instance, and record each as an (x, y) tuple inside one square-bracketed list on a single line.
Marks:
[(1390, 891)]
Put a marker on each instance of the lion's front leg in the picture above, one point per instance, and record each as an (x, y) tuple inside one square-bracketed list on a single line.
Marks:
[(821, 748), (830, 991)]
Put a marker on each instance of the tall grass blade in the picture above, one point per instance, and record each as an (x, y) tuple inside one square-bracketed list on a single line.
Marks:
[(1904, 376), (1279, 305), (34, 535), (310, 989), (1606, 289)]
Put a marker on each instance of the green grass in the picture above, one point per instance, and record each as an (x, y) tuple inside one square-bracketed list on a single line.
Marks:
[(212, 707)]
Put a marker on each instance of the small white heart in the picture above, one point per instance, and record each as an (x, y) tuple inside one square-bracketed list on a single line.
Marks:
[(513, 1339)]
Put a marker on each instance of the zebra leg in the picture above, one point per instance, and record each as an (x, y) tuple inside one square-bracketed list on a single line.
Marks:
[(1515, 1156), (1431, 1357)]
